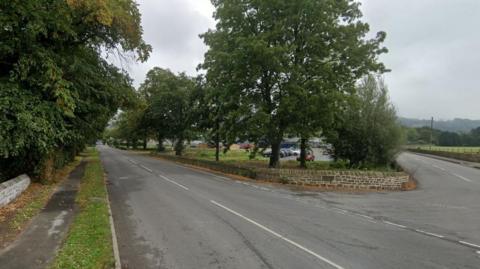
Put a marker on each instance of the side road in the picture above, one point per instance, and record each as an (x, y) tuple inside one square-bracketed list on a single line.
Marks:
[(37, 245)]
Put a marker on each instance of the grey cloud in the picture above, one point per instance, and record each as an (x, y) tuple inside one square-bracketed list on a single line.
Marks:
[(433, 49), (433, 56)]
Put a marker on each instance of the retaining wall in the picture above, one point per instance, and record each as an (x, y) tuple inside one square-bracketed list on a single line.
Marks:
[(329, 179), (333, 179), (11, 189)]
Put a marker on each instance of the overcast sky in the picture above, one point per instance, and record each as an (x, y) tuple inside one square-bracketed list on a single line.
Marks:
[(434, 49)]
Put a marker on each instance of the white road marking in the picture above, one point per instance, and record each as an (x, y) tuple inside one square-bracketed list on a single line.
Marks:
[(428, 233), (365, 216), (341, 210), (116, 252), (438, 167), (278, 235), (226, 178), (463, 178), (469, 244), (372, 221), (394, 224), (130, 160), (146, 168), (173, 182)]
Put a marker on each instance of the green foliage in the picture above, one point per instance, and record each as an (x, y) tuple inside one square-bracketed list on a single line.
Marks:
[(57, 92), (281, 66), (166, 109), (421, 136), (366, 132)]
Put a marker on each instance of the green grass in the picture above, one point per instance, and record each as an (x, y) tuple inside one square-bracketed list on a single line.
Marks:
[(89, 243), (24, 214), (241, 158), (231, 155), (450, 149)]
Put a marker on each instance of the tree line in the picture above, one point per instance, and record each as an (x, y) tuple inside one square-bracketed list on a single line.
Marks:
[(301, 68), (425, 135), (57, 92)]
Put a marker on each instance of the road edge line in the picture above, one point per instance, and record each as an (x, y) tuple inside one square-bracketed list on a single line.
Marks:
[(116, 252)]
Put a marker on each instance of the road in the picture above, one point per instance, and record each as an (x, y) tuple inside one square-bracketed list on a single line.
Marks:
[(170, 216)]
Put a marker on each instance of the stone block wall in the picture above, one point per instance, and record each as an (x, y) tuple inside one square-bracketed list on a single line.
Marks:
[(328, 179), (11, 189), (334, 179)]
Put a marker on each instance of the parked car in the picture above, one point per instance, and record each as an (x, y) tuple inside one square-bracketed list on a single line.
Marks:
[(289, 151), (267, 153), (310, 157), (245, 146), (295, 151)]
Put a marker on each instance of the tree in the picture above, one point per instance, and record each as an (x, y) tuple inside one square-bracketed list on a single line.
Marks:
[(170, 109), (450, 139), (367, 133), (275, 57), (58, 93)]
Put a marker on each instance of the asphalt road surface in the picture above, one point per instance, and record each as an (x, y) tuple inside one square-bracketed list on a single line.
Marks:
[(170, 216)]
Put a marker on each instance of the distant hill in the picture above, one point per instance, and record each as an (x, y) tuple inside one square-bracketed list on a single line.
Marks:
[(455, 125)]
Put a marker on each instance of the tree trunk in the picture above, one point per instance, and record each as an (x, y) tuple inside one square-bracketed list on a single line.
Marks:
[(160, 147), (217, 149), (303, 152), (217, 141), (145, 141), (179, 147), (47, 168), (134, 144), (275, 156)]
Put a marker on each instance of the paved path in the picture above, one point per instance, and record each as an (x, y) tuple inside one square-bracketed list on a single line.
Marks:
[(37, 245), (170, 216)]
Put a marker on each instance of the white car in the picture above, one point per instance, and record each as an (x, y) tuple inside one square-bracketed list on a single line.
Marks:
[(296, 151)]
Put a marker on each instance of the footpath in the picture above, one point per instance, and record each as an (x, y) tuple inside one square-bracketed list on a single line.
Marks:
[(37, 245)]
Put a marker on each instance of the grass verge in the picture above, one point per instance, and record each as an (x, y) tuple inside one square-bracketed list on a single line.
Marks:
[(240, 158), (15, 216), (89, 242), (466, 150)]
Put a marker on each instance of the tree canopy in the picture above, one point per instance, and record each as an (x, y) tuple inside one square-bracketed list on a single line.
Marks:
[(366, 132), (285, 62), (57, 92)]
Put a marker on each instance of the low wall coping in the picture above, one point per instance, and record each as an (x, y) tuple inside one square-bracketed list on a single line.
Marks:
[(11, 189)]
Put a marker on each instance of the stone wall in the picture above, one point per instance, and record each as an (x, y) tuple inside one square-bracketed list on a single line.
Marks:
[(328, 179), (334, 179), (11, 189)]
